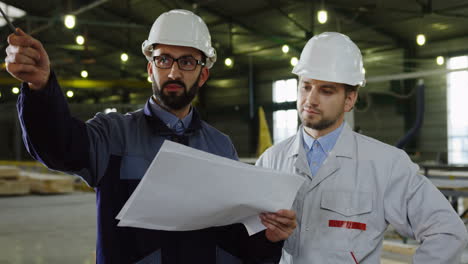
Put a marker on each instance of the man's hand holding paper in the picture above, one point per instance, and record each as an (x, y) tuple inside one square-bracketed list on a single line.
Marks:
[(187, 189)]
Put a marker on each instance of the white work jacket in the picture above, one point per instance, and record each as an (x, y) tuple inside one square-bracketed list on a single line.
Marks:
[(363, 186)]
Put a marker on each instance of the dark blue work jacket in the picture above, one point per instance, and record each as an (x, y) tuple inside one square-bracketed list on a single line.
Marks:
[(111, 152)]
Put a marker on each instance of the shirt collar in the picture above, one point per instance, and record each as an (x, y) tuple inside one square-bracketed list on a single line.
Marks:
[(327, 142), (169, 119)]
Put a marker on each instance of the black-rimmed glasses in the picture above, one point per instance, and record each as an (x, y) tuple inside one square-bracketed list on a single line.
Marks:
[(185, 63)]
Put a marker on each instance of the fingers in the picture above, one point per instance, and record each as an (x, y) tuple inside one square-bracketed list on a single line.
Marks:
[(20, 32), (23, 40), (28, 45), (22, 55), (271, 224), (276, 232), (279, 222), (284, 217), (27, 60), (25, 72), (287, 213)]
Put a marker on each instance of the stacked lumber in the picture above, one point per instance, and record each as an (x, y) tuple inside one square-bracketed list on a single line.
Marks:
[(11, 182), (399, 248), (49, 183), (81, 186)]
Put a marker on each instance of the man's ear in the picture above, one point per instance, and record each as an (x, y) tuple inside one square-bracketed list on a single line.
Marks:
[(205, 73), (350, 100), (149, 68)]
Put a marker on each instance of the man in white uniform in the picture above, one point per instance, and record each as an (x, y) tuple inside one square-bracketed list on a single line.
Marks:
[(356, 186)]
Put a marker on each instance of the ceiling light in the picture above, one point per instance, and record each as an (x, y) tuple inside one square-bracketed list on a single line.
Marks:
[(70, 94), (84, 74), (228, 62), (421, 39), (80, 40), (322, 16), (149, 79), (110, 110), (15, 90), (0, 94), (285, 49), (440, 60), (363, 70), (124, 57), (294, 61), (69, 21)]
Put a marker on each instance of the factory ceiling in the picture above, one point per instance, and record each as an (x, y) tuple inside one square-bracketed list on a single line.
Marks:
[(249, 31)]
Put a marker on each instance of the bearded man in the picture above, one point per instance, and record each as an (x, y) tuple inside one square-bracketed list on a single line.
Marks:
[(111, 152)]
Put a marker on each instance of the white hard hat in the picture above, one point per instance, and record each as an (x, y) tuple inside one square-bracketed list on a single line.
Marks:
[(181, 28), (331, 57)]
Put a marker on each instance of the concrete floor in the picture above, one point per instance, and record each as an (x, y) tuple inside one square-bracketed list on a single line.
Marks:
[(48, 229), (57, 229)]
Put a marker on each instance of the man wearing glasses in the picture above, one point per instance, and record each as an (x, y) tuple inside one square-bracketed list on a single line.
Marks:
[(112, 152)]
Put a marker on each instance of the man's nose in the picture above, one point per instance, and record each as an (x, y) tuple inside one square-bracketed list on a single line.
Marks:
[(175, 72), (313, 96)]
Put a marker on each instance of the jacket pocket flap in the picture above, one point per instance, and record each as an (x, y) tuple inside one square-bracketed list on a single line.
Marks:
[(347, 203)]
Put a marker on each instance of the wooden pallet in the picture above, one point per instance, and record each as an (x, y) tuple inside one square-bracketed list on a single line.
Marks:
[(9, 187), (81, 186), (49, 183), (11, 182), (9, 173), (399, 248)]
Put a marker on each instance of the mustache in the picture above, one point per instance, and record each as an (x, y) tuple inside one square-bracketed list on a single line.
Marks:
[(309, 107), (174, 82)]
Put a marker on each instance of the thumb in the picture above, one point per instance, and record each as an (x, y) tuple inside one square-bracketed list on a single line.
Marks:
[(20, 32)]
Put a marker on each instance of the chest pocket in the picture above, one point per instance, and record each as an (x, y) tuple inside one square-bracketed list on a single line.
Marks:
[(343, 221), (347, 203)]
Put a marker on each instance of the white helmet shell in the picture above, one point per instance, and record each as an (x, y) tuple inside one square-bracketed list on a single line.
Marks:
[(331, 57), (181, 28)]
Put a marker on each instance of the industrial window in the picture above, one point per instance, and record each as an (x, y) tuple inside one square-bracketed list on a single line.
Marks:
[(12, 13), (284, 121), (457, 123)]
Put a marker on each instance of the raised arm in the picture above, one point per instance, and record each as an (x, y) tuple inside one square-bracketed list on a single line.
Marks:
[(51, 135)]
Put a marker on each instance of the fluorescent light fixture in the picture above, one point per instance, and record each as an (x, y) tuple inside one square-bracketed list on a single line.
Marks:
[(80, 40), (294, 61), (69, 21), (322, 16), (228, 62), (110, 110), (421, 39), (84, 74), (124, 57), (440, 60)]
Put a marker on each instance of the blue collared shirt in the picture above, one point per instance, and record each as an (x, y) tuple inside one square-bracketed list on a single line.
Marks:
[(317, 149), (172, 121)]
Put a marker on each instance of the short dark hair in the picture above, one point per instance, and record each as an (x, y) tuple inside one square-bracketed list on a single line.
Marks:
[(203, 57), (350, 88)]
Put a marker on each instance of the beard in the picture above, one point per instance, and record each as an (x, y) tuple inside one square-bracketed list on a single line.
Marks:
[(321, 124), (173, 101)]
